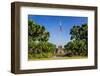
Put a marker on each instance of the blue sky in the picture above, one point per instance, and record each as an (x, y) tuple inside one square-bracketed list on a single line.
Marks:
[(53, 23)]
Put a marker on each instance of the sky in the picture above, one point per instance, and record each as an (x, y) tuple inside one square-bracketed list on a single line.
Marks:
[(58, 26)]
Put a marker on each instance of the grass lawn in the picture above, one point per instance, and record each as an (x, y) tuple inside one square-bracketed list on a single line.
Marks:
[(60, 58)]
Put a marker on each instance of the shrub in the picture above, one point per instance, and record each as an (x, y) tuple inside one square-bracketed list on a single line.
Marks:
[(41, 50)]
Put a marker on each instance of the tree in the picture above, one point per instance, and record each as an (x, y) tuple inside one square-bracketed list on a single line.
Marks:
[(74, 32), (38, 44), (79, 40), (69, 46), (79, 33), (37, 32)]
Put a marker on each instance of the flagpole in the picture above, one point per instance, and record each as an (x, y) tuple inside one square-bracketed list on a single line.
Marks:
[(60, 30)]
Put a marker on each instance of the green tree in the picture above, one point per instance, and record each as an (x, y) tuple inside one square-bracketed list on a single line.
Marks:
[(79, 40), (74, 32), (38, 44), (37, 32), (79, 33)]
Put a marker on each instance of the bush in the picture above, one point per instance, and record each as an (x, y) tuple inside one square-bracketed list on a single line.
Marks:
[(69, 54), (41, 50)]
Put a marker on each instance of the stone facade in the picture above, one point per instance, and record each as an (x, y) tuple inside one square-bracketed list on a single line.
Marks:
[(60, 51)]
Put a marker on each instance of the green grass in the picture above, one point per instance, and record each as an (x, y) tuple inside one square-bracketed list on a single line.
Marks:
[(59, 58)]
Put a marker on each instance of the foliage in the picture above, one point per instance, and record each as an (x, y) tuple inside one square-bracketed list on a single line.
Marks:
[(79, 40), (38, 44), (37, 32), (42, 49), (79, 33)]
